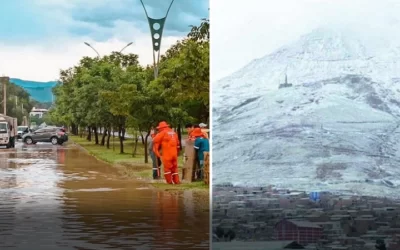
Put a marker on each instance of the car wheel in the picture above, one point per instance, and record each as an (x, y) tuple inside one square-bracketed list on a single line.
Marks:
[(28, 140), (54, 140)]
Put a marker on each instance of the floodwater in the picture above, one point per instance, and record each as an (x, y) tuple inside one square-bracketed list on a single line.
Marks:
[(54, 197)]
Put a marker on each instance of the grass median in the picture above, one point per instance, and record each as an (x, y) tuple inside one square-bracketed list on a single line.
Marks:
[(132, 166)]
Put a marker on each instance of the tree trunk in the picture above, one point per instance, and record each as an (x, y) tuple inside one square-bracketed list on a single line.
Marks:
[(135, 146), (108, 137), (103, 137), (121, 140), (123, 133), (146, 155), (89, 136), (74, 130), (141, 135), (180, 136), (96, 135), (82, 131)]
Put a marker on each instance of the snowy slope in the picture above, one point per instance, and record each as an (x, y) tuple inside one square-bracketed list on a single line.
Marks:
[(320, 55), (338, 128)]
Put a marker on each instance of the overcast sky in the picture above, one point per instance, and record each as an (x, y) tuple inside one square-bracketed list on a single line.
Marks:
[(39, 37), (245, 30)]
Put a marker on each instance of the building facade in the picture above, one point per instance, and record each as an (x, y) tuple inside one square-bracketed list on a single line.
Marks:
[(303, 232), (38, 112)]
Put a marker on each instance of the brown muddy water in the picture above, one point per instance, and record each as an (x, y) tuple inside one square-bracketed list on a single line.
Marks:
[(53, 197)]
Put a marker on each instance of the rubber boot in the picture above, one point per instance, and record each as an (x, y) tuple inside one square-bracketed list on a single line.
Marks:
[(168, 177), (156, 173), (201, 174), (198, 175), (175, 178)]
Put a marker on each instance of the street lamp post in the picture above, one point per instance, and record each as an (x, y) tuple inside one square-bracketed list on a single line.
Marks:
[(88, 44), (129, 44), (156, 30)]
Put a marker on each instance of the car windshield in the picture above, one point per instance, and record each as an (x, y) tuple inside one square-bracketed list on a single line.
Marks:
[(3, 128), (22, 128)]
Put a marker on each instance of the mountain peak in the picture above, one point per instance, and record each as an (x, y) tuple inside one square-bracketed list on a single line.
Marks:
[(327, 45), (324, 53), (334, 128)]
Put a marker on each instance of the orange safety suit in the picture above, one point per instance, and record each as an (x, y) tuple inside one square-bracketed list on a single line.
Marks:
[(169, 142), (205, 134), (191, 137)]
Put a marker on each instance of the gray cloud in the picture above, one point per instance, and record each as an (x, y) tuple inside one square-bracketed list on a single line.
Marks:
[(182, 14)]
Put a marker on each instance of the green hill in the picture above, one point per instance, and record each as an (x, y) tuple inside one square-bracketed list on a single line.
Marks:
[(40, 91)]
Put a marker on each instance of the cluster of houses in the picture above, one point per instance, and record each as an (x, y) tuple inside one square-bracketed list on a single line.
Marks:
[(38, 112), (262, 217)]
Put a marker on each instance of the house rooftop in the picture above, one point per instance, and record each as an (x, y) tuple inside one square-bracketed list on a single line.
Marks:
[(251, 245), (300, 223)]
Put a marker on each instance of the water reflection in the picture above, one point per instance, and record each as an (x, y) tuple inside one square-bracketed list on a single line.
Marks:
[(189, 204), (58, 198), (30, 197)]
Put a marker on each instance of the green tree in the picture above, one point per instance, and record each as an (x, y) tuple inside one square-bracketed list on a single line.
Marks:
[(230, 235), (220, 232), (380, 244), (184, 73), (19, 103), (114, 91)]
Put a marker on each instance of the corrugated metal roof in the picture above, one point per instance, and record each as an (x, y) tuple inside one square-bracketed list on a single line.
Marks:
[(300, 223), (250, 245)]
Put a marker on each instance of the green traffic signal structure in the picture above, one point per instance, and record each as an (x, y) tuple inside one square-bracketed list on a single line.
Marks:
[(156, 30)]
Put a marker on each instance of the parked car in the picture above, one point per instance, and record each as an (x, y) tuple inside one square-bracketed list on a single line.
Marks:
[(21, 130), (54, 135)]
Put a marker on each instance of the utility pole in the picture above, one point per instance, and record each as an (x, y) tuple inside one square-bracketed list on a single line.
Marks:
[(4, 81)]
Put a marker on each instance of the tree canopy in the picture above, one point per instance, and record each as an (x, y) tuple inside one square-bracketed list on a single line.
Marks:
[(19, 103), (115, 92)]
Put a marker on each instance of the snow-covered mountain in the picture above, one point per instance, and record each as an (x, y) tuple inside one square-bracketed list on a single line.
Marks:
[(322, 54), (337, 128)]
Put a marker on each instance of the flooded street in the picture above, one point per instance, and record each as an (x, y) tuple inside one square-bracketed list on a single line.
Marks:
[(54, 197)]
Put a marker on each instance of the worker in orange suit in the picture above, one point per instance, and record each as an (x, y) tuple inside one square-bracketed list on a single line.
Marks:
[(169, 142)]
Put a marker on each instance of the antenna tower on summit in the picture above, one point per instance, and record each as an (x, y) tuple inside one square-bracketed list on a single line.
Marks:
[(285, 84)]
